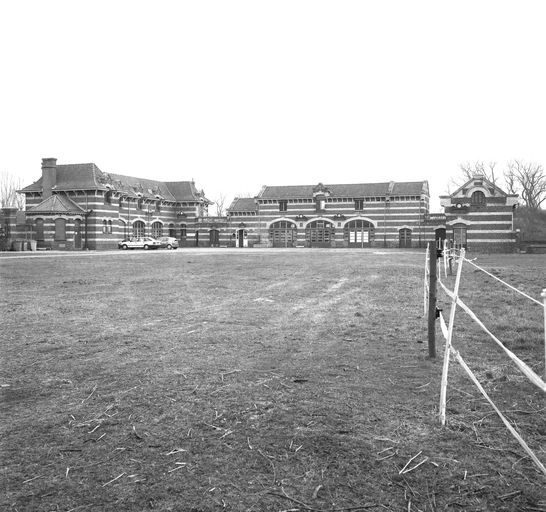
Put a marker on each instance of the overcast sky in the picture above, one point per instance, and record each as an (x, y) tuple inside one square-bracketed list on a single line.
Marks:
[(240, 94)]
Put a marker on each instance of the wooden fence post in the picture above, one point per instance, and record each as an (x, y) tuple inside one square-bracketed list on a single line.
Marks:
[(543, 295), (432, 302), (447, 350)]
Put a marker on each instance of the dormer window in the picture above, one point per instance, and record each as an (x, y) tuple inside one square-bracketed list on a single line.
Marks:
[(320, 204), (478, 197)]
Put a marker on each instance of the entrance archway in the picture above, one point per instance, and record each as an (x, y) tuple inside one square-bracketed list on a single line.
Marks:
[(283, 233), (139, 229), (359, 233), (319, 233)]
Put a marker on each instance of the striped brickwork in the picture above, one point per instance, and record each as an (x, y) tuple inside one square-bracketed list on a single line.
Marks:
[(88, 209), (480, 216), (301, 217)]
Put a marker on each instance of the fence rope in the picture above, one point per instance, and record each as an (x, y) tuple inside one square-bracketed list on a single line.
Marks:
[(474, 379), (504, 282), (526, 370)]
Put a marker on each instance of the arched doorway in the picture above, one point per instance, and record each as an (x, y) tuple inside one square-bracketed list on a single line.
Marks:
[(77, 234), (214, 238), (282, 233), (404, 238), (359, 233), (157, 229), (319, 233), (139, 229)]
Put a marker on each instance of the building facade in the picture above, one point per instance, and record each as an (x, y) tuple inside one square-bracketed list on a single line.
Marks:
[(479, 216), (78, 206), (387, 214)]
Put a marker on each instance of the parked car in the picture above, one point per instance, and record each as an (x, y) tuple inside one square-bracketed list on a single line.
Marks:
[(169, 242), (144, 242)]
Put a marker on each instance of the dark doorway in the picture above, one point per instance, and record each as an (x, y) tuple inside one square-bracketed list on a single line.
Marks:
[(214, 238)]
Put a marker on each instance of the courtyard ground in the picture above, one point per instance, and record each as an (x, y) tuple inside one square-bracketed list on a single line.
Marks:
[(201, 380)]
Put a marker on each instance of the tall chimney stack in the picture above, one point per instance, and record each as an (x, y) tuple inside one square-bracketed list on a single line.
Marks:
[(49, 176)]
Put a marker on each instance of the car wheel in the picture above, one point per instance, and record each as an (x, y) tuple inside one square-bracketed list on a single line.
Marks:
[(169, 246), (124, 247), (146, 247)]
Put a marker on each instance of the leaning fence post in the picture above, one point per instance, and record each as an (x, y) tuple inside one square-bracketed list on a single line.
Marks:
[(543, 295), (443, 387), (432, 304)]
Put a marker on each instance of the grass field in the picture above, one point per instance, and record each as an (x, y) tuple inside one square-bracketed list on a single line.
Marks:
[(263, 381)]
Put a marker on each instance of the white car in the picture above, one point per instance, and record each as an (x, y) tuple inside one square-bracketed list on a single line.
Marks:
[(139, 242), (169, 242)]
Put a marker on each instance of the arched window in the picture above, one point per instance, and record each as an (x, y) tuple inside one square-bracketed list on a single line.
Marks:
[(138, 228), (108, 197), (110, 226), (104, 226), (123, 226), (183, 231), (157, 229), (39, 226), (60, 230), (172, 231), (478, 197)]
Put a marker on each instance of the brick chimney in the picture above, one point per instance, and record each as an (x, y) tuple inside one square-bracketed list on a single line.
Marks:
[(49, 176)]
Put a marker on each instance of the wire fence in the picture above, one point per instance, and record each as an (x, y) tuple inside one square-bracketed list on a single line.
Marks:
[(458, 256)]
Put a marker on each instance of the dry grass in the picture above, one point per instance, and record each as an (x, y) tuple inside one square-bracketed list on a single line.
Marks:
[(256, 380)]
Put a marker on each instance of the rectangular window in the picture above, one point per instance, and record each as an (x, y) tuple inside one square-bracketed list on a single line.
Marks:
[(359, 204), (283, 206)]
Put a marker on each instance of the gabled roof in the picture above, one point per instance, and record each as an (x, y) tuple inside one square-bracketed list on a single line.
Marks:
[(56, 204), (346, 190), (242, 204), (90, 177), (486, 184), (71, 177)]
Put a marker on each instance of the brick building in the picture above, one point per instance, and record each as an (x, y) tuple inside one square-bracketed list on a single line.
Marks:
[(480, 217), (389, 214), (77, 206)]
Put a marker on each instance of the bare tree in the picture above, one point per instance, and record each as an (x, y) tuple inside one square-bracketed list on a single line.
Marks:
[(9, 197), (469, 171), (528, 180), (220, 204)]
